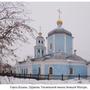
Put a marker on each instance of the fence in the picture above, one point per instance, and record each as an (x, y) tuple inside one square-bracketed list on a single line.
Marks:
[(43, 77)]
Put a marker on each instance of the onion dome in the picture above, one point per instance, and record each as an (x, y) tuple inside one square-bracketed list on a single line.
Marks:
[(59, 22), (59, 29), (40, 34)]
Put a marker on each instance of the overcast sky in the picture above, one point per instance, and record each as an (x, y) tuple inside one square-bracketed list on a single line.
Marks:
[(76, 19)]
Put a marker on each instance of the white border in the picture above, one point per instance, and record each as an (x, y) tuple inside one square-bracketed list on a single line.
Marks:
[(61, 87), (7, 86), (44, 0)]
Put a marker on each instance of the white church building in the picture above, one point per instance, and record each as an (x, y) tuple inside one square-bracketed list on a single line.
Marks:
[(59, 59)]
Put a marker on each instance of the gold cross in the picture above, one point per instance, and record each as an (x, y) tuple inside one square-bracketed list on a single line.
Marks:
[(59, 11)]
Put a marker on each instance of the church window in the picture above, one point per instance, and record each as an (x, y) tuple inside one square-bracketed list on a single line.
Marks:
[(39, 70), (39, 41), (71, 71), (50, 70), (42, 42), (50, 45), (38, 50)]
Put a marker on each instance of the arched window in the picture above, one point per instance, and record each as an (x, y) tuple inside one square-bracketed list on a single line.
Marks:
[(39, 41), (39, 70), (42, 42), (50, 70), (38, 50), (42, 52), (70, 70)]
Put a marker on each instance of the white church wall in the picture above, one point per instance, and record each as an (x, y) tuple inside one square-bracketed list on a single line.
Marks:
[(23, 68), (17, 69)]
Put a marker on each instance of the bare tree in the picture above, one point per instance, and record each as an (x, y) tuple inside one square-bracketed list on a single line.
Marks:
[(12, 28)]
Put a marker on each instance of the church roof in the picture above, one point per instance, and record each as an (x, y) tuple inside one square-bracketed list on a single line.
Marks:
[(75, 57), (59, 30), (61, 56), (88, 62)]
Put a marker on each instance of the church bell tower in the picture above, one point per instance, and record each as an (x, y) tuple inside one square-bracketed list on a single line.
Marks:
[(39, 49)]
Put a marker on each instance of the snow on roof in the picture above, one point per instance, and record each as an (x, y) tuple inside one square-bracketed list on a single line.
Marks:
[(75, 57), (60, 56), (59, 30)]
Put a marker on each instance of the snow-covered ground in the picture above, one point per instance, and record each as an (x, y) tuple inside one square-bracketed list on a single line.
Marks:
[(12, 80)]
